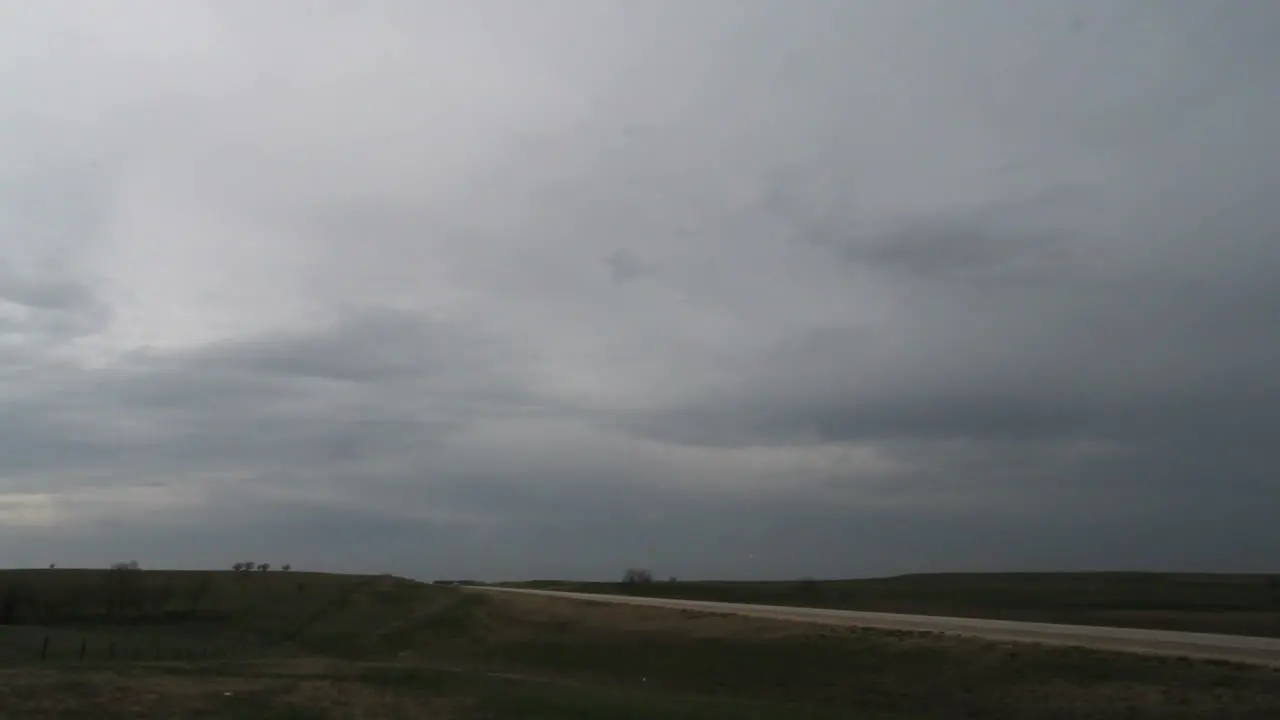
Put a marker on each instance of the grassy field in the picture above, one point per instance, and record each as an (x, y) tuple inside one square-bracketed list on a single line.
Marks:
[(382, 647), (161, 615), (1231, 604)]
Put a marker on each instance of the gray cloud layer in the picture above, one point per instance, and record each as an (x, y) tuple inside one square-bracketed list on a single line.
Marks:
[(727, 289)]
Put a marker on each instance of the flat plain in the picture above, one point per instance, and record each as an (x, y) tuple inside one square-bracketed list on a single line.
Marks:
[(1233, 604), (160, 644)]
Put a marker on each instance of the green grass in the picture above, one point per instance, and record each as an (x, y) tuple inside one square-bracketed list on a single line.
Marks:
[(1232, 604), (381, 647)]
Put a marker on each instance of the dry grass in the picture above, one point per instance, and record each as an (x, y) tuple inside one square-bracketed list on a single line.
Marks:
[(153, 692), (386, 648), (1200, 602)]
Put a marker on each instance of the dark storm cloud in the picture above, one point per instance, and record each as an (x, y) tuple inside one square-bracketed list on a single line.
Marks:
[(368, 384), (46, 295), (359, 346), (624, 265), (741, 289), (49, 309)]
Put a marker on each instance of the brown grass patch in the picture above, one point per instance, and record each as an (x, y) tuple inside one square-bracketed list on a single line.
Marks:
[(152, 692), (587, 615)]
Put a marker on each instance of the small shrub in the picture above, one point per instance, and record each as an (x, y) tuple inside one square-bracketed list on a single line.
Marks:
[(637, 575)]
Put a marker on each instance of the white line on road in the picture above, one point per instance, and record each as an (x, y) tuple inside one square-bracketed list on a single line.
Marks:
[(1237, 648)]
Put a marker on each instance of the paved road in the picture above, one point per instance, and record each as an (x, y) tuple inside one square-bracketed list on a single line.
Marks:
[(1240, 648)]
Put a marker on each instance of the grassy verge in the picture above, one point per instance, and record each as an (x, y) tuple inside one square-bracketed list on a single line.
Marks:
[(1231, 604), (387, 648)]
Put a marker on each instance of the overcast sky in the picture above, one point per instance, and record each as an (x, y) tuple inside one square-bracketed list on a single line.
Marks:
[(726, 288)]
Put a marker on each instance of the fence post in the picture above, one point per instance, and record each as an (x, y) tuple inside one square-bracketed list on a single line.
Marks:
[(44, 648), (84, 643), (111, 650)]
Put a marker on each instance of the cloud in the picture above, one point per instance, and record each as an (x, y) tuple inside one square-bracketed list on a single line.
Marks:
[(740, 289)]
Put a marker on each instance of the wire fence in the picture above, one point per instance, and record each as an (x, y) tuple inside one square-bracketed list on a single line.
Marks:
[(115, 651), (29, 645), (55, 644), (62, 648), (23, 645)]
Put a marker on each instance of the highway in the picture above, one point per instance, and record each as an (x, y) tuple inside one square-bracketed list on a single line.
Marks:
[(1237, 648)]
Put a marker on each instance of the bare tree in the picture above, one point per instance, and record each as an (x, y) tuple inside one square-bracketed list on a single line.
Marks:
[(264, 567), (286, 567), (238, 567), (637, 575), (53, 565)]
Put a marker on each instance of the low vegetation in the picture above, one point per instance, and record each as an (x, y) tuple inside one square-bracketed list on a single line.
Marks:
[(1231, 604), (326, 646)]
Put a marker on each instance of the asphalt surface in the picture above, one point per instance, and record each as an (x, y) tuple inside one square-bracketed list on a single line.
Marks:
[(1237, 648)]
